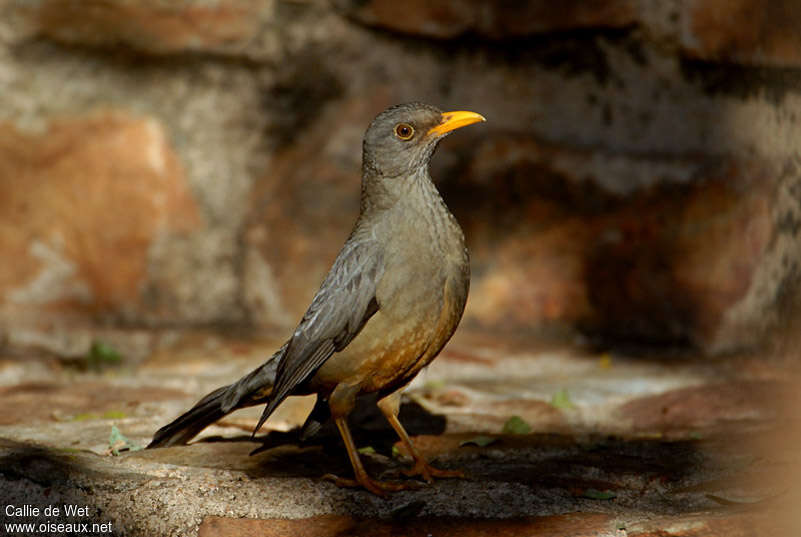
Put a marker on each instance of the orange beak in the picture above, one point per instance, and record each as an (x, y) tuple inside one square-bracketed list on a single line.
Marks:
[(455, 120)]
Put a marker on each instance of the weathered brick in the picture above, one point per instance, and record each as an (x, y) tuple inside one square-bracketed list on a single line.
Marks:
[(569, 525), (743, 31), (80, 205), (153, 26), (708, 407), (490, 19), (667, 258)]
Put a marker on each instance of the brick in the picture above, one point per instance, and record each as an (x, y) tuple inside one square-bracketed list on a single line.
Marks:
[(80, 205), (743, 31), (569, 525), (703, 408), (490, 19), (152, 25)]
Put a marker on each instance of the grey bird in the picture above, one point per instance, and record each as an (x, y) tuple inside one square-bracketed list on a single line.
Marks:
[(387, 307)]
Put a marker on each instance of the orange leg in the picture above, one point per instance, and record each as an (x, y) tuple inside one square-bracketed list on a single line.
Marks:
[(341, 402), (389, 406)]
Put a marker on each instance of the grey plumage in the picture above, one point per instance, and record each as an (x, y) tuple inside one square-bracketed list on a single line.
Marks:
[(345, 301), (389, 304)]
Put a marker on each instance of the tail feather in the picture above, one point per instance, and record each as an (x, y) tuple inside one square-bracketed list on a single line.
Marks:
[(190, 423), (250, 390), (254, 386)]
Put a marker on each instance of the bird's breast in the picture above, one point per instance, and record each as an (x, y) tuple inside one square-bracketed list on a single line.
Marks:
[(422, 254), (421, 296), (406, 334)]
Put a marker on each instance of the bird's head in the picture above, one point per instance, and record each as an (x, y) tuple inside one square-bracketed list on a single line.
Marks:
[(401, 139)]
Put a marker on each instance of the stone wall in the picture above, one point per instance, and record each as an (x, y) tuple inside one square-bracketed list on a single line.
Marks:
[(193, 163)]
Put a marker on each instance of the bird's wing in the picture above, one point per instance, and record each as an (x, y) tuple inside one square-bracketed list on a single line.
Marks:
[(345, 302)]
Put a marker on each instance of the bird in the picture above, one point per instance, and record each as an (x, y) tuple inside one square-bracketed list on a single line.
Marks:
[(391, 301)]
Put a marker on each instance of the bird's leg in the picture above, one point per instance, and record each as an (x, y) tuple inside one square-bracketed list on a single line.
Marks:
[(341, 402), (389, 406)]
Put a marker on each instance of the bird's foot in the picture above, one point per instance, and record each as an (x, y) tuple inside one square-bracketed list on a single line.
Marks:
[(428, 472), (379, 488)]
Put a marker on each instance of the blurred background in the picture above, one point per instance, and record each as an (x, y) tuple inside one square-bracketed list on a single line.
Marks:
[(179, 173), (196, 163)]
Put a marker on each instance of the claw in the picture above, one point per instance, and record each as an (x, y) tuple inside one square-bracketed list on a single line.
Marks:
[(379, 488), (428, 472)]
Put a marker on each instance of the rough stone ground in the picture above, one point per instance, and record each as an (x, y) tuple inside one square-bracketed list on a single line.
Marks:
[(621, 444)]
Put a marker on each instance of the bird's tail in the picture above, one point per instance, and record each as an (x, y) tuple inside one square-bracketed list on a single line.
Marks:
[(250, 390)]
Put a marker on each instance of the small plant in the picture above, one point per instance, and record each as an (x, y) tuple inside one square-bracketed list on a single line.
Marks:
[(561, 399), (516, 425), (118, 442), (102, 354), (480, 441)]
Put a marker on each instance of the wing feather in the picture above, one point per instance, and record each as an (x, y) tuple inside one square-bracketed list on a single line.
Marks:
[(345, 302)]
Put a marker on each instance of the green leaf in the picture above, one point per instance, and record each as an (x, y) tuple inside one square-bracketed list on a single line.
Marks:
[(594, 494), (118, 442), (516, 425), (366, 450), (100, 354), (107, 415), (396, 452), (561, 399), (480, 441)]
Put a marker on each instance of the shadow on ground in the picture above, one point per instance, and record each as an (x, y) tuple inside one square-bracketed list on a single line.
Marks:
[(611, 445)]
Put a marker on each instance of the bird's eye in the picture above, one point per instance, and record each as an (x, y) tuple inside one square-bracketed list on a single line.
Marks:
[(404, 131)]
